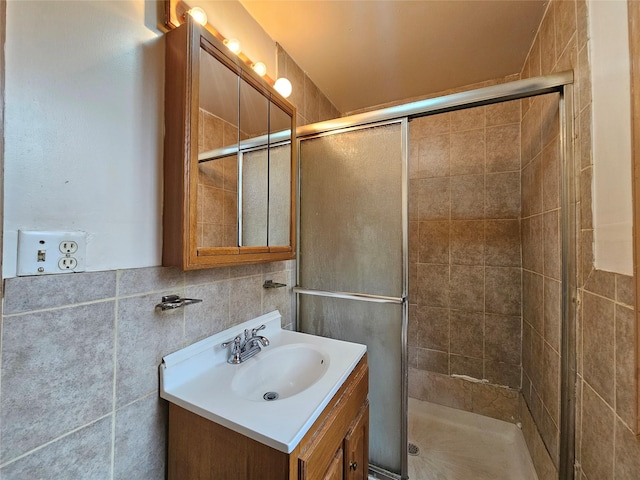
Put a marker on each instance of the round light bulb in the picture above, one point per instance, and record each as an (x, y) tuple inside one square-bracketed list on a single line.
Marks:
[(283, 87), (199, 15), (260, 68), (233, 44)]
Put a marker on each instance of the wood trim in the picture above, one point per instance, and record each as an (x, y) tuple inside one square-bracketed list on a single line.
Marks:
[(634, 51)]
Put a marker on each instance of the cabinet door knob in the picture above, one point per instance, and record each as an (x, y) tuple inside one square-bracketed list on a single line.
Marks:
[(353, 466)]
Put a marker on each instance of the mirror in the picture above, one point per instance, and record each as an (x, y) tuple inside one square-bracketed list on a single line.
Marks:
[(237, 162)]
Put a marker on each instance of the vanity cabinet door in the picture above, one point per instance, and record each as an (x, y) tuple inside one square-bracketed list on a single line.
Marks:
[(335, 469), (356, 447)]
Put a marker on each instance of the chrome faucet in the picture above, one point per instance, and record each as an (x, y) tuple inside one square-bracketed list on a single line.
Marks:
[(243, 350)]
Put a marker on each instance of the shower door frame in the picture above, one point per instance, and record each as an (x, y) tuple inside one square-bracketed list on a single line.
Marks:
[(561, 83), (402, 300)]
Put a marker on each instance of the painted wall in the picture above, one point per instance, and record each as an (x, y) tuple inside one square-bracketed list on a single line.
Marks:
[(612, 197), (83, 127)]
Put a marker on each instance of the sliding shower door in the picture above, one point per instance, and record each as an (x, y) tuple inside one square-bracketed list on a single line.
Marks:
[(352, 272)]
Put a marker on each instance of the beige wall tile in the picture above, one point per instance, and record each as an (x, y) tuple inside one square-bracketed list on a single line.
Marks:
[(467, 119), (627, 453), (433, 285), (552, 312), (503, 294), (503, 113), (503, 338), (503, 148), (433, 242), (532, 229), (502, 195), (468, 193), (467, 242), (625, 364), (551, 176), (598, 344), (467, 152), (468, 366), (551, 247), (433, 160), (467, 334), (432, 327), (433, 198), (597, 449), (502, 238)]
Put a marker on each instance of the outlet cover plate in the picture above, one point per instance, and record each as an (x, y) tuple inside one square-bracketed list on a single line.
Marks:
[(39, 252)]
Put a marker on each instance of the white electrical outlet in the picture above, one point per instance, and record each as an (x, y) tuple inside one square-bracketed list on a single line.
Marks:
[(44, 253)]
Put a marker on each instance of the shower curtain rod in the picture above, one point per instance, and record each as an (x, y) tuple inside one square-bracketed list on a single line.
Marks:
[(457, 101)]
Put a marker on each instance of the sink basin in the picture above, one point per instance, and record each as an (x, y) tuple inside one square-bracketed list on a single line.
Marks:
[(280, 373), (273, 397)]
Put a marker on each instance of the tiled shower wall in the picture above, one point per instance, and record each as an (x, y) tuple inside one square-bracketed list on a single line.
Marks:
[(542, 266), (465, 259), (80, 356), (217, 184), (606, 446)]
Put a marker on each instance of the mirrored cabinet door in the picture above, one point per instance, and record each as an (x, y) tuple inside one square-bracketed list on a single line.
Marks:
[(229, 158), (217, 195)]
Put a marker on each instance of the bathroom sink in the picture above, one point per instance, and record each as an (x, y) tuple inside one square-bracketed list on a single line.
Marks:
[(281, 372), (273, 397)]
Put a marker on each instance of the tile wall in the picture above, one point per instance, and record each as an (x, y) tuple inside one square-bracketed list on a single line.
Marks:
[(542, 266), (80, 356), (606, 445), (465, 259)]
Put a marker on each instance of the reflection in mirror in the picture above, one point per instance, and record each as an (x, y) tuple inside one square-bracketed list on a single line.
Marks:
[(217, 205), (279, 194), (254, 123), (255, 200), (279, 179)]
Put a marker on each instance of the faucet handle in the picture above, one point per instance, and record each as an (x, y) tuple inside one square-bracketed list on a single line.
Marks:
[(235, 349), (236, 342), (256, 330)]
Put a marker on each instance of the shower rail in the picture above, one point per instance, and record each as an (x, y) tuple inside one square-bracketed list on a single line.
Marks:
[(503, 92), (365, 297)]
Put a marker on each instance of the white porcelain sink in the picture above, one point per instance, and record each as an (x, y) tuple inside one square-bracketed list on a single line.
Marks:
[(273, 397), (280, 372)]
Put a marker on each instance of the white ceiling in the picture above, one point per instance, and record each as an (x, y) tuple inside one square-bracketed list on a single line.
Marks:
[(362, 53)]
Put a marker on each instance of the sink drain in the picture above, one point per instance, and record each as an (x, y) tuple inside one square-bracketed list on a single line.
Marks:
[(269, 396)]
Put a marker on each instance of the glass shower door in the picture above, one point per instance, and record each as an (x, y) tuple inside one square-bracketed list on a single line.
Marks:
[(352, 272)]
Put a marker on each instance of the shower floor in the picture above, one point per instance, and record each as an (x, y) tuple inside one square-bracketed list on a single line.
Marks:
[(458, 445)]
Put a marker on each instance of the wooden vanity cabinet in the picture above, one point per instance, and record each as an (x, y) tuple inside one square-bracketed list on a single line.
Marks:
[(335, 448)]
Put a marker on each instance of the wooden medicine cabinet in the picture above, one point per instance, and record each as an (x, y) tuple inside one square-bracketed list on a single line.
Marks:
[(229, 158)]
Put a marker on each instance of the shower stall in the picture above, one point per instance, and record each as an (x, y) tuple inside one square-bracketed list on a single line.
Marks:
[(432, 246)]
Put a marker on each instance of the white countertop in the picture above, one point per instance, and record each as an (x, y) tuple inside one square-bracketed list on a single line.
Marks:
[(199, 379)]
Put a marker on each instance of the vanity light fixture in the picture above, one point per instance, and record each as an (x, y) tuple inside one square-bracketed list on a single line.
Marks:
[(199, 15), (232, 44), (283, 87), (260, 68)]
